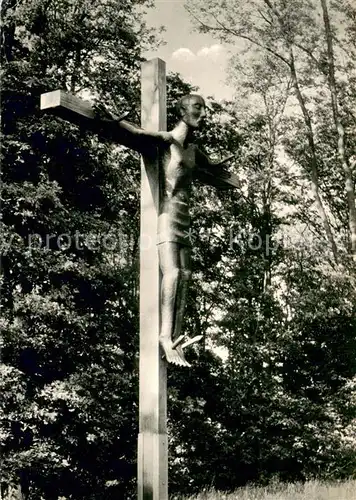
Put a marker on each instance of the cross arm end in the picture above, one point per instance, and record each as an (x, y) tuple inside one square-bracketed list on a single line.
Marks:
[(66, 105)]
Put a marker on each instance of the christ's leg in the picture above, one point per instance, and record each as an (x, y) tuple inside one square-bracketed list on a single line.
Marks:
[(182, 292), (170, 264)]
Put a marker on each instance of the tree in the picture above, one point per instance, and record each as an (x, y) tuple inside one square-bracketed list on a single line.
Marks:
[(290, 37), (340, 129)]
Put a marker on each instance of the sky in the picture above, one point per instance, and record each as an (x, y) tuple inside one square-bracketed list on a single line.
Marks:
[(199, 58)]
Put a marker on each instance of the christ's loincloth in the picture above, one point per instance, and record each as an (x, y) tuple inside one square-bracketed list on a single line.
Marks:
[(174, 221)]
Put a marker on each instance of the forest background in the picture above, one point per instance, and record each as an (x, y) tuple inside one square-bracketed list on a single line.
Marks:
[(272, 390)]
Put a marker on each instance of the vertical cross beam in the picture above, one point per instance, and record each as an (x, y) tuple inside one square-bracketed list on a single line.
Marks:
[(152, 459)]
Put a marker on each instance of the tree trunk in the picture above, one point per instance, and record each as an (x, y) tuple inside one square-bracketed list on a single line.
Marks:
[(313, 163), (76, 69), (310, 134), (349, 182)]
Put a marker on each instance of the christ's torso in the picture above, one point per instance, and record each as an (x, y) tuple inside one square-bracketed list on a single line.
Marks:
[(174, 220)]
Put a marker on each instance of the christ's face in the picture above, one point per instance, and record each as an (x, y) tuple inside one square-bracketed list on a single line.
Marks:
[(194, 111)]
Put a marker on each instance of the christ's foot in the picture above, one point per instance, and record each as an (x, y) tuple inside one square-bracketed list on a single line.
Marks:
[(179, 350), (173, 354)]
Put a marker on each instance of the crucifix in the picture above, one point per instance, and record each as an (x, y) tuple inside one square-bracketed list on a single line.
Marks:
[(169, 163)]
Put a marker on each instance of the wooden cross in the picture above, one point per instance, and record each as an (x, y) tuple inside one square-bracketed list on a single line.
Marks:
[(152, 458)]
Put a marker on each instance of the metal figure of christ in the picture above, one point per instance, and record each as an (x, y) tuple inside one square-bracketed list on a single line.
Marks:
[(181, 162), (180, 157)]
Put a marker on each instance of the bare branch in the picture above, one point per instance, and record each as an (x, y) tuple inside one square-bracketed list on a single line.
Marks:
[(238, 34)]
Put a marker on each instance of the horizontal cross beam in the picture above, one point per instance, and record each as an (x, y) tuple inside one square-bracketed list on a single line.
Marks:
[(80, 112)]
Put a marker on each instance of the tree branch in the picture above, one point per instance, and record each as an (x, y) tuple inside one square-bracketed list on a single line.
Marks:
[(237, 34)]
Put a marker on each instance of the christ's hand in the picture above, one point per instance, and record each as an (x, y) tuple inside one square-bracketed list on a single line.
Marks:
[(224, 160)]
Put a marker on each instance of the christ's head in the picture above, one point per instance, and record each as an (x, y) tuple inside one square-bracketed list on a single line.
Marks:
[(191, 109)]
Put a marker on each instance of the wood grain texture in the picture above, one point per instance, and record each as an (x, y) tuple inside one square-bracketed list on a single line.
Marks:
[(67, 104)]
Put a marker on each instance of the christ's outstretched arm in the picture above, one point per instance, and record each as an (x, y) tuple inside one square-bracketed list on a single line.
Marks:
[(211, 172), (204, 161), (130, 134)]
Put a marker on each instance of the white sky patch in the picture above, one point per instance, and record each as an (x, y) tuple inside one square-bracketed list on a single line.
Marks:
[(213, 52), (204, 61), (183, 54), (205, 67)]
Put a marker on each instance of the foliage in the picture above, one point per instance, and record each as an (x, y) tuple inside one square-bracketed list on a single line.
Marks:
[(70, 256)]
